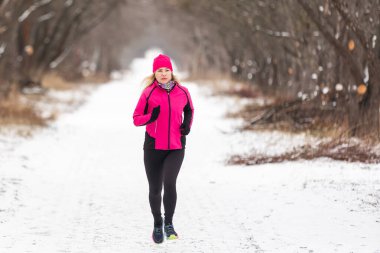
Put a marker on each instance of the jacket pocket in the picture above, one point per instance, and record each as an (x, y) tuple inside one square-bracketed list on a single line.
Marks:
[(149, 142)]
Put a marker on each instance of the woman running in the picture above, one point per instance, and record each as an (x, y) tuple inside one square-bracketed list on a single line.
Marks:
[(166, 109)]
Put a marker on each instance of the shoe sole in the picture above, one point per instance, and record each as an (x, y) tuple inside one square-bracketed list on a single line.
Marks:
[(172, 237), (157, 242)]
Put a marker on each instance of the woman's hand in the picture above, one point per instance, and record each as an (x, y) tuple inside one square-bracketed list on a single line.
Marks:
[(154, 114), (185, 129)]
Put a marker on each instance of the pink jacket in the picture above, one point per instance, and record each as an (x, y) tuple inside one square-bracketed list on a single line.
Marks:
[(176, 111)]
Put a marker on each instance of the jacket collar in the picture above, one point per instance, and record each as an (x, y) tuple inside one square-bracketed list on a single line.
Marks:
[(162, 86)]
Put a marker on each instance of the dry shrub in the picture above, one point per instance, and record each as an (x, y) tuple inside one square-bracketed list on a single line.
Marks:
[(35, 108), (310, 117), (336, 150), (56, 82), (14, 111), (304, 116), (98, 78)]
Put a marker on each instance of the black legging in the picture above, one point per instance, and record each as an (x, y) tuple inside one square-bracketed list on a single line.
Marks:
[(162, 167)]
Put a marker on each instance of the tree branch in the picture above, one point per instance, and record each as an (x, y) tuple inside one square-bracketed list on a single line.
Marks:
[(355, 69)]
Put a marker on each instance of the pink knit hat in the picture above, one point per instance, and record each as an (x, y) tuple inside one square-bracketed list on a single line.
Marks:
[(162, 61)]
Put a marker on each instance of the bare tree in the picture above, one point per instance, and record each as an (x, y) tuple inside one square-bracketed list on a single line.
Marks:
[(45, 32), (359, 53), (325, 50)]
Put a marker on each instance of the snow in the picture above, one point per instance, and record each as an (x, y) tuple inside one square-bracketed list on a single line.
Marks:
[(32, 8), (366, 74), (45, 17), (69, 3), (374, 37), (80, 186), (2, 48)]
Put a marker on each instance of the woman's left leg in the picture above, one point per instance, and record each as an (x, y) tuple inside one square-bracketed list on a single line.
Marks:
[(171, 167)]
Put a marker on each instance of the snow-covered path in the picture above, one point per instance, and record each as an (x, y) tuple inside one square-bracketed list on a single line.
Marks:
[(80, 186)]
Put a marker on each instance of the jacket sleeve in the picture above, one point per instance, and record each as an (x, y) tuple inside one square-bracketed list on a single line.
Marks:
[(188, 112), (139, 116)]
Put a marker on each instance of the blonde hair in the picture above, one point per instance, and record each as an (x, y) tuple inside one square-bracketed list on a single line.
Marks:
[(150, 79)]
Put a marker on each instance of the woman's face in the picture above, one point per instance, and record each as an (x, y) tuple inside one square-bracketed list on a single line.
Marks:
[(163, 75)]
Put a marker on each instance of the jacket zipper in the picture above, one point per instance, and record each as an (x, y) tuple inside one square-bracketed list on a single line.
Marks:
[(169, 121)]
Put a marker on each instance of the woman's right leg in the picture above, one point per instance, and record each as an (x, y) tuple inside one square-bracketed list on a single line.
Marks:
[(171, 167), (153, 161)]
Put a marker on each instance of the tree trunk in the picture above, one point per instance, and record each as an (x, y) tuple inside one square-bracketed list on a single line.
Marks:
[(367, 122)]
